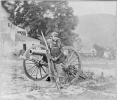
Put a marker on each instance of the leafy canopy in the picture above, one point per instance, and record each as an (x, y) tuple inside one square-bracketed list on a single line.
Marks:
[(45, 16)]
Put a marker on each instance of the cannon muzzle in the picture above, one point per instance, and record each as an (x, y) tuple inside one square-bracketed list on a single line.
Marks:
[(37, 52)]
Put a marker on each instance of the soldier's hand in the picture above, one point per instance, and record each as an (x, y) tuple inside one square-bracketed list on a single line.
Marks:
[(54, 59)]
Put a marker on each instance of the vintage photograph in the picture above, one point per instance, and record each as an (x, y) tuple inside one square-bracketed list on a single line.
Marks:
[(58, 50)]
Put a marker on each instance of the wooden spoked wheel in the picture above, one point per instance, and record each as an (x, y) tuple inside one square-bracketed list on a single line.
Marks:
[(34, 69), (72, 64)]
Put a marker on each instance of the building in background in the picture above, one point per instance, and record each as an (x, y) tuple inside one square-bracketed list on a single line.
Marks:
[(12, 38)]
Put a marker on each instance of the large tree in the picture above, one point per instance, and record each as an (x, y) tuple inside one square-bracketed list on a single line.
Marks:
[(45, 16)]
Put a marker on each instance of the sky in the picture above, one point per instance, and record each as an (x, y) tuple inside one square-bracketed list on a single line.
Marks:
[(93, 7)]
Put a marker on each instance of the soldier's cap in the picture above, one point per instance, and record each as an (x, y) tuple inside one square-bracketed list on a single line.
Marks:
[(54, 34)]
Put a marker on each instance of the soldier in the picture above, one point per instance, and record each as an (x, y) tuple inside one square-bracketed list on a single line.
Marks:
[(57, 54)]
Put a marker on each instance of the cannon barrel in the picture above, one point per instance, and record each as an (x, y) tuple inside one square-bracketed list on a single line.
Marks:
[(37, 52)]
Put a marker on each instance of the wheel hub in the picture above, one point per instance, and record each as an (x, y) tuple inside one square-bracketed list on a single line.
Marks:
[(40, 63), (72, 69)]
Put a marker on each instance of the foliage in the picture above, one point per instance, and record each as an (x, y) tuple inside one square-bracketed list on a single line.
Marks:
[(45, 16), (99, 49)]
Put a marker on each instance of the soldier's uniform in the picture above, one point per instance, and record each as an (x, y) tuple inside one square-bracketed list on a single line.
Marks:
[(57, 54), (55, 47)]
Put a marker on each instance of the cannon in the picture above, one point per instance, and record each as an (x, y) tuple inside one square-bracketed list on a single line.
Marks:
[(36, 63), (37, 52)]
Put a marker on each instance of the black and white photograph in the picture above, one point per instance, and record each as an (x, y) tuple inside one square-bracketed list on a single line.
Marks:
[(58, 49)]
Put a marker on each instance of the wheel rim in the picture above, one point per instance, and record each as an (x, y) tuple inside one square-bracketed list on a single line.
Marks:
[(35, 70)]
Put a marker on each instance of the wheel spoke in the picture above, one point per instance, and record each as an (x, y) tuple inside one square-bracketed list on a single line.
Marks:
[(37, 73), (31, 68), (70, 56), (40, 72), (33, 71), (72, 60), (30, 63), (29, 59), (43, 69), (72, 74)]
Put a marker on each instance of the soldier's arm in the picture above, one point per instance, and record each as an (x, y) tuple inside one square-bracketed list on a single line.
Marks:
[(59, 55)]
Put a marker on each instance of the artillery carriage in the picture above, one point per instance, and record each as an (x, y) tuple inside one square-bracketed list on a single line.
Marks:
[(36, 63)]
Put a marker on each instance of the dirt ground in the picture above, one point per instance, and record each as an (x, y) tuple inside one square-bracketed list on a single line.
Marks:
[(14, 85)]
